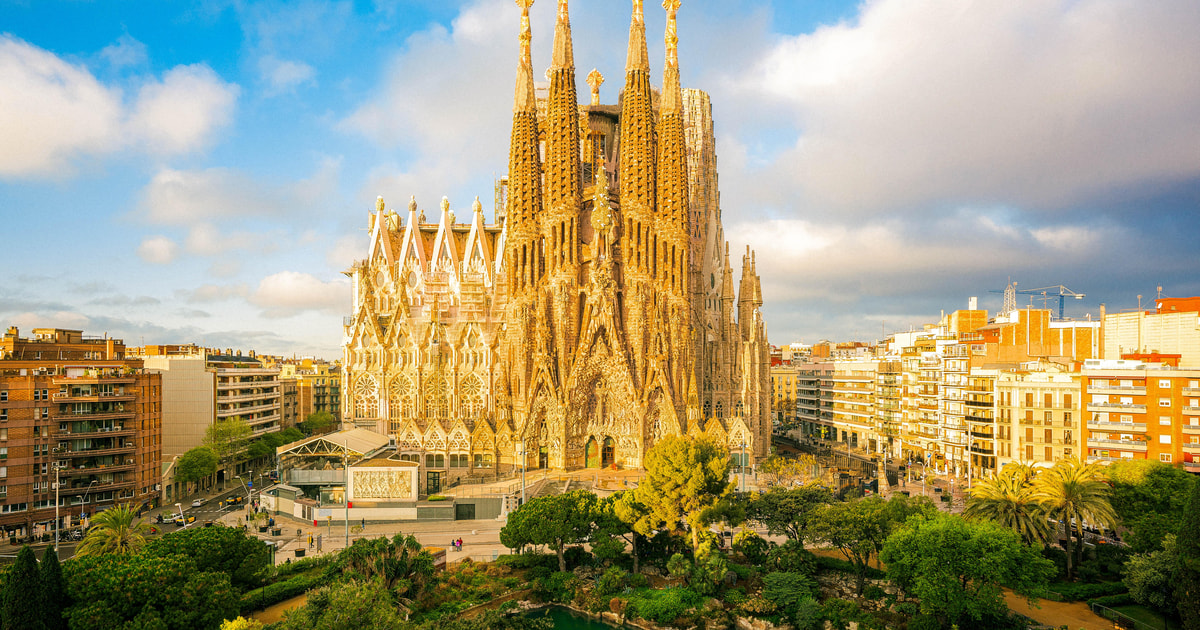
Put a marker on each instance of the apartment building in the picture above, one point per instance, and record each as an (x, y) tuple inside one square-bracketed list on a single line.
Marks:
[(202, 385), (982, 428), (851, 397), (889, 394), (318, 384), (812, 411), (80, 430), (785, 381), (1138, 410), (1039, 419)]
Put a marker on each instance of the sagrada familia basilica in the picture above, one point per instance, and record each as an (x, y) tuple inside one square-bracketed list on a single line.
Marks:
[(597, 314)]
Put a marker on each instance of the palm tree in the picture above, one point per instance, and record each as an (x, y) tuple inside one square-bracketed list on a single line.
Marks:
[(116, 530), (1008, 500), (1074, 493)]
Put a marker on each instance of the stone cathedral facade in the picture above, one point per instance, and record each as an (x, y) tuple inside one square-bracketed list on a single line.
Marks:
[(597, 314)]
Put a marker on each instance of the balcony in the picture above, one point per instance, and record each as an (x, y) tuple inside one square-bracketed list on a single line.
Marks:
[(1124, 427), (96, 470), (1191, 411), (980, 450), (111, 414), (987, 435), (1191, 391), (124, 447), (1192, 448), (68, 397), (1092, 459), (90, 379), (1191, 429), (1108, 407), (1120, 390), (95, 432), (1125, 445)]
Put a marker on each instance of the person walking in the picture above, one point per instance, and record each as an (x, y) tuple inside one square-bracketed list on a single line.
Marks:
[(310, 541)]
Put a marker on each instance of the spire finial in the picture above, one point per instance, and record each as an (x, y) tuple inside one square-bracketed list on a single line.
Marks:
[(563, 56), (636, 59), (595, 79), (526, 31), (672, 37)]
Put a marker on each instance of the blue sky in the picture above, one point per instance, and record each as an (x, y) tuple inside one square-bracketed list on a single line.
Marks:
[(201, 172)]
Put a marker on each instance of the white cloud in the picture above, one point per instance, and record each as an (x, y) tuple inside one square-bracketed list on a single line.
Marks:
[(53, 112), (282, 75), (126, 52), (288, 293), (215, 293), (158, 250), (1024, 102), (179, 113)]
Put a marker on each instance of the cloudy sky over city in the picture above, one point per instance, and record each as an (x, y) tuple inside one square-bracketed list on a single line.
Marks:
[(176, 172)]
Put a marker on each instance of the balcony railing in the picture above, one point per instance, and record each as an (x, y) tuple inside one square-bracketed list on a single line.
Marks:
[(95, 432), (1192, 448), (1193, 429), (1104, 407), (96, 470), (296, 476), (1131, 427), (1117, 389), (67, 397), (1125, 445), (1191, 411)]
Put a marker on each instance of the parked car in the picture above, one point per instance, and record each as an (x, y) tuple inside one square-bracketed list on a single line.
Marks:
[(197, 502)]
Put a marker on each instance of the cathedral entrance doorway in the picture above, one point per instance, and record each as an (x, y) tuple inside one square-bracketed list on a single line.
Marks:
[(608, 455), (544, 458), (433, 481), (591, 454)]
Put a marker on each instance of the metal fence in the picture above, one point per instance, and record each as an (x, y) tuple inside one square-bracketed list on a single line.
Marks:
[(1123, 621)]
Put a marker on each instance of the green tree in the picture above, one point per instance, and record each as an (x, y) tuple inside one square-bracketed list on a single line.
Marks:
[(23, 594), (616, 515), (787, 590), (228, 438), (220, 549), (356, 604), (241, 623), (1187, 572), (684, 478), (859, 527), (115, 530), (196, 464), (789, 471), (555, 521), (401, 564), (1149, 497), (1149, 576), (957, 568), (54, 590), (1075, 493), (1009, 500), (264, 446), (140, 591), (317, 422), (788, 511)]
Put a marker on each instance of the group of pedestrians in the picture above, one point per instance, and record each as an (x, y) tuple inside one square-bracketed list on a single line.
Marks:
[(456, 544)]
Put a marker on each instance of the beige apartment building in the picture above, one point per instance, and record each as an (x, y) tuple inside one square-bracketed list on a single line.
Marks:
[(1039, 414), (80, 430), (200, 386)]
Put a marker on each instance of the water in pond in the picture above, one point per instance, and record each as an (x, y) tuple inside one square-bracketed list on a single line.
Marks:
[(567, 619)]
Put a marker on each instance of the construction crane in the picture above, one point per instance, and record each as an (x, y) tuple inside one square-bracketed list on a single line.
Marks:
[(1058, 290)]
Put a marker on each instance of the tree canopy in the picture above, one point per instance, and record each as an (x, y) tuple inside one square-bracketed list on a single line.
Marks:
[(317, 422), (859, 527), (1187, 572), (1009, 500), (555, 521), (684, 478), (956, 568), (1075, 493), (54, 590), (22, 605), (221, 549), (196, 464), (1149, 497), (116, 530), (227, 437), (788, 511)]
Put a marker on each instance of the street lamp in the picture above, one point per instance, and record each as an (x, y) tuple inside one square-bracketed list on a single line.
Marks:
[(742, 464), (57, 527), (239, 478), (523, 458), (83, 499)]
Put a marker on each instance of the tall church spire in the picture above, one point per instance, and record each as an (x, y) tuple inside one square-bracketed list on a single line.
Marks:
[(672, 171), (636, 172), (564, 172), (524, 171)]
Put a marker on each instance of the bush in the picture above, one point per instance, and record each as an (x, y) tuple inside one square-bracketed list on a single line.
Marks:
[(577, 557), (792, 557), (1113, 600), (437, 497), (924, 622), (743, 572), (528, 560), (840, 612), (735, 596), (637, 580), (613, 581), (825, 563), (752, 546), (559, 587), (787, 590), (538, 573), (271, 594), (1073, 592), (661, 606)]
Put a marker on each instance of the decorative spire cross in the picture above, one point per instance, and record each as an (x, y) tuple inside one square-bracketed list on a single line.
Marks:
[(672, 36), (526, 31), (638, 14), (595, 79)]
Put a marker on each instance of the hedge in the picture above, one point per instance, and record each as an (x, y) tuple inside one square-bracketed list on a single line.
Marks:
[(271, 594), (1073, 592), (1113, 600), (825, 563)]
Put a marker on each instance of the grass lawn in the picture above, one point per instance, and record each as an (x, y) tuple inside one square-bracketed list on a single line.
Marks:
[(1147, 616)]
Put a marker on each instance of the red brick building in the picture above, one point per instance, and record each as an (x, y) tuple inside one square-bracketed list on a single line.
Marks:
[(75, 410)]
